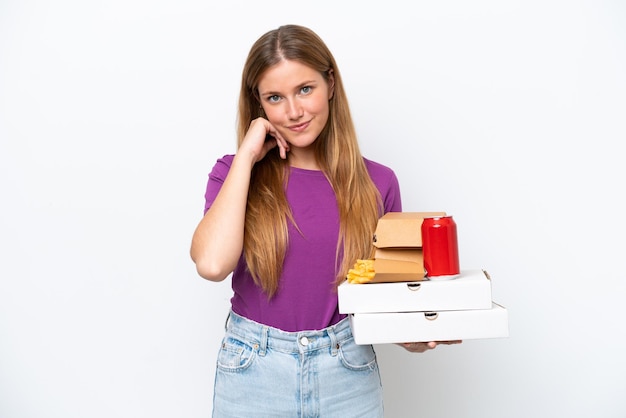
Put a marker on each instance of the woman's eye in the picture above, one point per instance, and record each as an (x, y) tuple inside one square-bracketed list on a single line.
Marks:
[(273, 99), (305, 90)]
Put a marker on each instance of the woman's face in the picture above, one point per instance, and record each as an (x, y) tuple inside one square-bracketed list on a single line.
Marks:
[(295, 100)]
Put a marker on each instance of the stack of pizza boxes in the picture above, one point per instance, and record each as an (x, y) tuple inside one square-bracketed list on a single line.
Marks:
[(401, 304)]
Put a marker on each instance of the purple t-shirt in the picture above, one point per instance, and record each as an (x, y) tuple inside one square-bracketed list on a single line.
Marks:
[(307, 297)]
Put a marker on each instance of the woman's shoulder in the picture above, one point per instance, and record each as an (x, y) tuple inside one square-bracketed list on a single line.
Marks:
[(377, 169), (226, 159), (222, 165), (387, 183)]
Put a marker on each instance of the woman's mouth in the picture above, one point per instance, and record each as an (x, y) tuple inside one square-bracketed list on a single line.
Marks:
[(299, 127)]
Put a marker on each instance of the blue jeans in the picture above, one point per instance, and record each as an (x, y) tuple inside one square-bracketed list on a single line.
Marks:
[(265, 372)]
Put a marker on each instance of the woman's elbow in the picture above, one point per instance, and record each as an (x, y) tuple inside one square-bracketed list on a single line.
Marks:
[(212, 271)]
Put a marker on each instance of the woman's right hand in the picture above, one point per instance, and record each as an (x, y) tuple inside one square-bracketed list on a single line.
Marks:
[(218, 239), (261, 137)]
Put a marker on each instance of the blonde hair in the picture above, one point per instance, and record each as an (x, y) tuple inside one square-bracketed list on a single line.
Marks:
[(337, 153)]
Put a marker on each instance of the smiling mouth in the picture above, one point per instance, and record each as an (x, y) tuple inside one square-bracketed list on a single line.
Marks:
[(299, 127)]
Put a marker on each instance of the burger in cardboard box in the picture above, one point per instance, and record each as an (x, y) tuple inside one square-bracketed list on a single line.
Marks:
[(398, 242)]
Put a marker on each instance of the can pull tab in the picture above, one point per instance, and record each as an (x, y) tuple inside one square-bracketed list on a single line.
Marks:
[(431, 316), (414, 287)]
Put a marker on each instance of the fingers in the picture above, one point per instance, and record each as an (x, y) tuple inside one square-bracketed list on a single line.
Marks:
[(283, 146), (420, 347), (262, 136)]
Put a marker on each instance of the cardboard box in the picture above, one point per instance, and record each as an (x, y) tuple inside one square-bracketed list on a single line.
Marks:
[(398, 242), (401, 229), (398, 265), (399, 327), (470, 290)]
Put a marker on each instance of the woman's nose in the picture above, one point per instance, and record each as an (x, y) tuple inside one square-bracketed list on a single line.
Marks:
[(294, 110)]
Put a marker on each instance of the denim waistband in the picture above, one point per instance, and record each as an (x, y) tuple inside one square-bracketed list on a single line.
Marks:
[(289, 342)]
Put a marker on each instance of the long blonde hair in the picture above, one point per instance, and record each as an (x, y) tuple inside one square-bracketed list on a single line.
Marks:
[(337, 153)]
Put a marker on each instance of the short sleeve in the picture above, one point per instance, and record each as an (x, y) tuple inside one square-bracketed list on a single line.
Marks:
[(388, 185), (392, 200), (216, 179)]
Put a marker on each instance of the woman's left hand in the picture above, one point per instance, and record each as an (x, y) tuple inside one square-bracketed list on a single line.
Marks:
[(421, 347)]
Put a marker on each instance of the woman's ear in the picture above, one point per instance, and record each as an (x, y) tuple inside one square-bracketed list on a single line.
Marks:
[(331, 83)]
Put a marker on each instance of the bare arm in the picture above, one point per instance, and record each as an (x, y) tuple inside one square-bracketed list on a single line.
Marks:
[(217, 242)]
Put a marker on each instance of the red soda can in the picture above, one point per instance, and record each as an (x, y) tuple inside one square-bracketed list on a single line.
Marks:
[(440, 247)]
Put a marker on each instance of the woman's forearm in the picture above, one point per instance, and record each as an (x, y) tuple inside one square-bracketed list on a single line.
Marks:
[(217, 242)]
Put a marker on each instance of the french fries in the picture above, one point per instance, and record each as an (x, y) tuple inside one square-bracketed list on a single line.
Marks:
[(363, 272)]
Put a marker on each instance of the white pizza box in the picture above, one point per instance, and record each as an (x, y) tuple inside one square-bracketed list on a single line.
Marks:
[(400, 327), (470, 290)]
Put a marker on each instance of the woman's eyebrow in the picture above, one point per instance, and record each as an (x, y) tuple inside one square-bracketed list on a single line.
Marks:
[(298, 86)]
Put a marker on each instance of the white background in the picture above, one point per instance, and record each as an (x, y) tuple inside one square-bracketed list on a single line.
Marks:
[(509, 115)]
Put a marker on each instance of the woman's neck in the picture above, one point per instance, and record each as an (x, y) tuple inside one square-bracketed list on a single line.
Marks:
[(304, 159)]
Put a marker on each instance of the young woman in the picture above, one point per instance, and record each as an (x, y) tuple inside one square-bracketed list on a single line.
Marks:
[(288, 215)]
